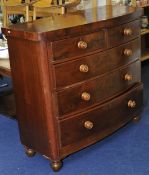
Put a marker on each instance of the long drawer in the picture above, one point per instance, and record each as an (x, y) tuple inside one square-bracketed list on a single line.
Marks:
[(77, 46), (123, 33), (99, 122), (97, 90), (90, 66)]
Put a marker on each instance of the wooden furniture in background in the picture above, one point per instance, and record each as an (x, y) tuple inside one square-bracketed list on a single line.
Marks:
[(108, 2), (5, 67), (7, 102), (77, 78), (144, 32), (1, 2), (7, 99), (13, 7), (44, 8), (4, 59)]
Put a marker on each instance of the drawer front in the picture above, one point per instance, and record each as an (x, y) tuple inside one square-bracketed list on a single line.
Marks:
[(97, 64), (100, 122), (123, 33), (77, 46), (97, 90)]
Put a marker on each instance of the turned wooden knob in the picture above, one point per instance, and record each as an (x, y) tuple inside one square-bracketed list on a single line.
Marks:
[(127, 31), (83, 68), (82, 45), (131, 104), (88, 125), (128, 77), (85, 96), (128, 52)]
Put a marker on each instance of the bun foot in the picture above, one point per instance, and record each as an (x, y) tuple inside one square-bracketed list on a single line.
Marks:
[(136, 119), (29, 152), (56, 165)]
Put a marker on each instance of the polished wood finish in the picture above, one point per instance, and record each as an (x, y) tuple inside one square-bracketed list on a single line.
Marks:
[(95, 90), (77, 46), (107, 61), (62, 26), (73, 130), (124, 33), (69, 75)]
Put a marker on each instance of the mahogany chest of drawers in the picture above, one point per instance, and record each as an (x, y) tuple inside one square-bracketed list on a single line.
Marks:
[(77, 78)]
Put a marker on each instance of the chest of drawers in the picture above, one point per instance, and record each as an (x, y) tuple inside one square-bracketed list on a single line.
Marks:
[(76, 78)]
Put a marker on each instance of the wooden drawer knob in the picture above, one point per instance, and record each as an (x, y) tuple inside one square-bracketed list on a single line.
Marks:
[(85, 96), (128, 52), (88, 125), (128, 77), (127, 31), (83, 68), (131, 104), (82, 45)]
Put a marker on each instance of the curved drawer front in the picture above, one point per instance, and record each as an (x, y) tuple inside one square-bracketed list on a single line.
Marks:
[(77, 46), (94, 65), (98, 89), (123, 33), (98, 123)]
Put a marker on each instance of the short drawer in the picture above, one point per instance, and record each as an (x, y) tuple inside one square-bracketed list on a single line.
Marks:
[(97, 90), (76, 46), (95, 124), (123, 33), (97, 64)]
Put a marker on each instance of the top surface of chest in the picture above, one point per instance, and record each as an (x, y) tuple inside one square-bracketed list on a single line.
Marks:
[(81, 22)]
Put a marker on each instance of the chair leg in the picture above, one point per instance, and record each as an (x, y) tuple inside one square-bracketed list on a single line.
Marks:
[(63, 10), (4, 17), (34, 13), (60, 2), (27, 13)]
